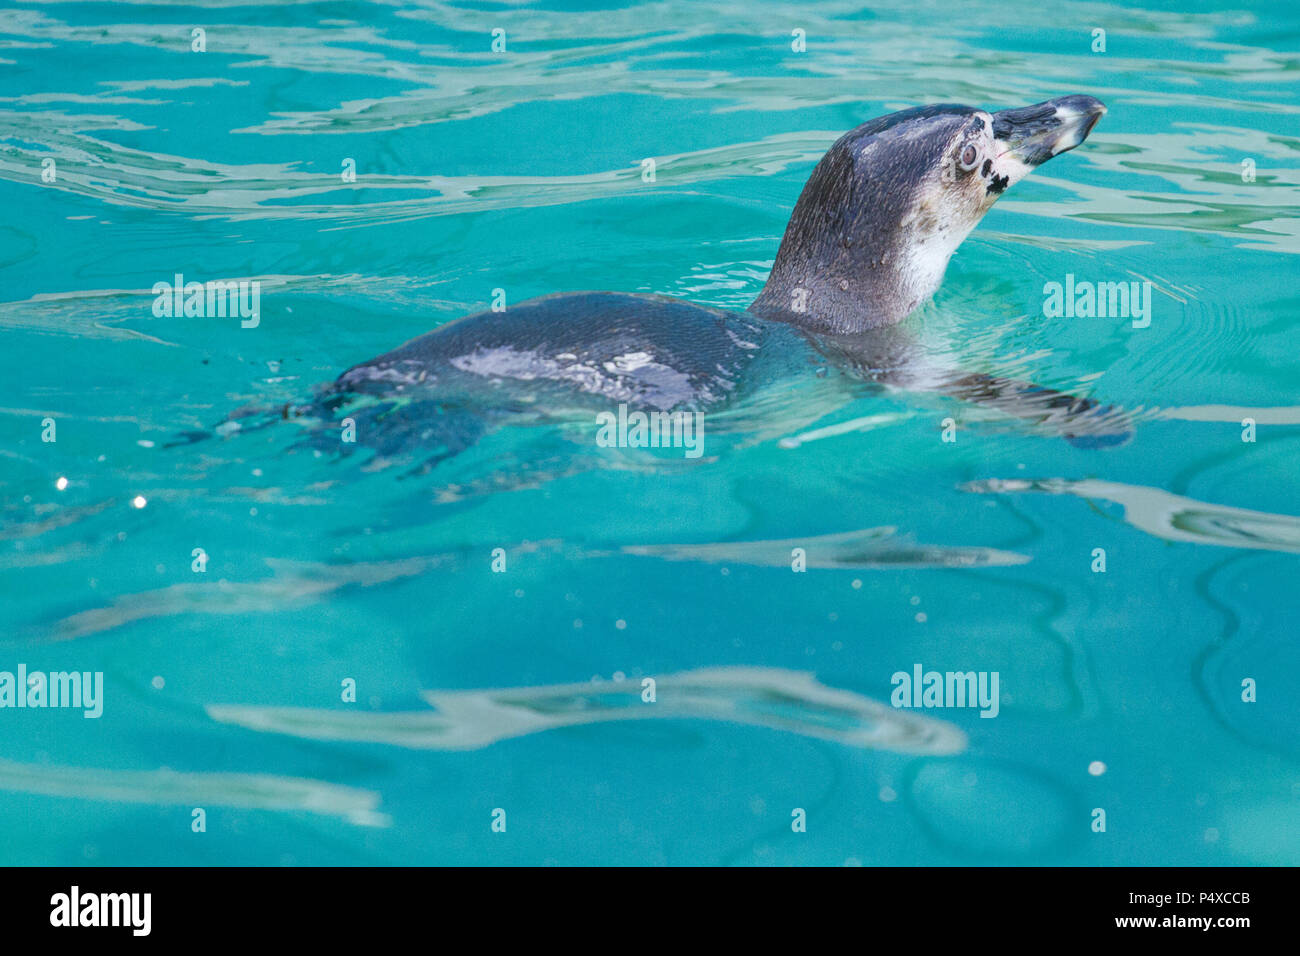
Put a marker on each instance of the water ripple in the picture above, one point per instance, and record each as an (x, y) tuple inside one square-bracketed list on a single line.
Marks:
[(766, 697), (1167, 515)]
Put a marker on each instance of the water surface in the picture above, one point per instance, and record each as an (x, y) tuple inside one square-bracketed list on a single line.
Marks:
[(477, 690)]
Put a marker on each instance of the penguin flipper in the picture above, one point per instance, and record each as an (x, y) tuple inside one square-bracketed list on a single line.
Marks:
[(1083, 422)]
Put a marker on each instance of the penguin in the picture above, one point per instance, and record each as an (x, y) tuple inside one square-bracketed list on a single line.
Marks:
[(868, 242)]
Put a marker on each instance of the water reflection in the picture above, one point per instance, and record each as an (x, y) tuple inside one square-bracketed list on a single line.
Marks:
[(765, 697), (1167, 515)]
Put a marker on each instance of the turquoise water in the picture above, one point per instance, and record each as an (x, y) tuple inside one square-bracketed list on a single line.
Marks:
[(520, 691)]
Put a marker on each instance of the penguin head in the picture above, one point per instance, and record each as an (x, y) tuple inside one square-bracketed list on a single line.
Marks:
[(889, 203), (988, 152)]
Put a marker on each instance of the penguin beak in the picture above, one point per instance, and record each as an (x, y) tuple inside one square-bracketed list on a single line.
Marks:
[(1034, 134)]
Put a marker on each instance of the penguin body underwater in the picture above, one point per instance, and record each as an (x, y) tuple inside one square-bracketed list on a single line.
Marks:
[(867, 243)]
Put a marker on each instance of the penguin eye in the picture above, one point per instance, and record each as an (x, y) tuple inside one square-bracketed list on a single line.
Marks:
[(969, 158)]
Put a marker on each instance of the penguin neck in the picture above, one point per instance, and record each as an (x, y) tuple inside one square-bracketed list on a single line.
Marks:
[(830, 283), (830, 298)]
